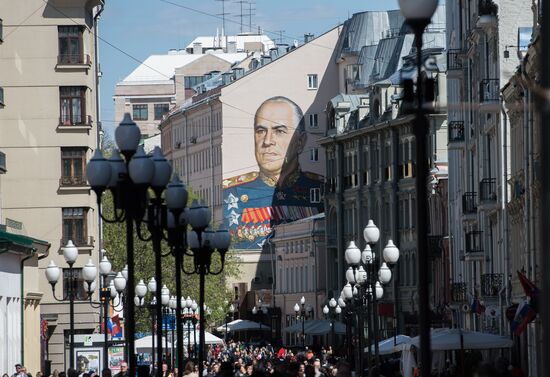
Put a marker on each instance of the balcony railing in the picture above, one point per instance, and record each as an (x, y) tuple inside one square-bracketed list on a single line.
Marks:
[(459, 292), (456, 131), (74, 59), (75, 120), (435, 247), (79, 241), (454, 60), (491, 284), (488, 190), (489, 90), (73, 181), (469, 204), (474, 242)]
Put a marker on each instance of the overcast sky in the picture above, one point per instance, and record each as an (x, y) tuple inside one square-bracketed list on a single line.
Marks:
[(140, 28)]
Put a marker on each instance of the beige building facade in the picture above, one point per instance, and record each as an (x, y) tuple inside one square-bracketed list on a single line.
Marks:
[(48, 61), (211, 142)]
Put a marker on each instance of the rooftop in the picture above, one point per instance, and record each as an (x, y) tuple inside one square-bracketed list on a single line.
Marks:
[(160, 68), (219, 41)]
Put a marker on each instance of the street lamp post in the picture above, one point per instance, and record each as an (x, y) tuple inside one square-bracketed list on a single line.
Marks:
[(364, 287), (303, 313), (104, 270), (331, 311), (260, 312), (172, 304), (70, 254), (418, 14), (204, 243), (228, 315)]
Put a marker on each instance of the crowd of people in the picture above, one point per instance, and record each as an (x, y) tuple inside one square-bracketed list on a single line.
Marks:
[(237, 359)]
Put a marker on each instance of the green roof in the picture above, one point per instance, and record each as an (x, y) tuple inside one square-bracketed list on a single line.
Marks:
[(18, 242)]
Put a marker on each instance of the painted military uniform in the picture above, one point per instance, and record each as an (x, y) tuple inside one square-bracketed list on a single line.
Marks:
[(254, 203)]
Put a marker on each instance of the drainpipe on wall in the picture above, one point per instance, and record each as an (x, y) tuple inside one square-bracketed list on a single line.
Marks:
[(22, 283), (505, 231)]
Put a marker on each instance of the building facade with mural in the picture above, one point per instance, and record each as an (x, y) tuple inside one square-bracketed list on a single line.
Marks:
[(249, 148)]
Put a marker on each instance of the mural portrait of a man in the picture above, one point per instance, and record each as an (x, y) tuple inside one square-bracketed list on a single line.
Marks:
[(280, 191)]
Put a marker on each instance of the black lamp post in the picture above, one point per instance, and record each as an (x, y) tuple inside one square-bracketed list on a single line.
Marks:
[(70, 253), (332, 311), (418, 14), (303, 313), (366, 277), (203, 243), (260, 311), (228, 317)]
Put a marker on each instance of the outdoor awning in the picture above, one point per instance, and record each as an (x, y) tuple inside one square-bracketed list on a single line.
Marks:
[(456, 339), (209, 338), (390, 345), (144, 345), (317, 327), (22, 244), (242, 325)]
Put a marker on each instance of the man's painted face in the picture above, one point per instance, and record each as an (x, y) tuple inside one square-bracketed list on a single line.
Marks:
[(275, 138)]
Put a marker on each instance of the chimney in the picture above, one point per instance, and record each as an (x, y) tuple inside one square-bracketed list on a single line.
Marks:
[(266, 59), (231, 47), (226, 78), (239, 72), (283, 49), (273, 53), (308, 37), (197, 48)]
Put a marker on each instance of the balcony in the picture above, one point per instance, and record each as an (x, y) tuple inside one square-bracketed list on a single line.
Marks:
[(72, 122), (459, 292), (74, 181), (82, 242), (454, 64), (474, 246), (488, 190), (489, 95), (73, 61), (456, 131), (469, 205), (435, 246), (491, 284)]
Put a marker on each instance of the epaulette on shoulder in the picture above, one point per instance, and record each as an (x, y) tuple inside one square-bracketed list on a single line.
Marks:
[(239, 180), (313, 176)]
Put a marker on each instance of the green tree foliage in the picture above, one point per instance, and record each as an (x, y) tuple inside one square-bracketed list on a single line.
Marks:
[(217, 292)]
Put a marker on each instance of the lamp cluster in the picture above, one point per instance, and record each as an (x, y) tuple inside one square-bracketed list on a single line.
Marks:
[(165, 215)]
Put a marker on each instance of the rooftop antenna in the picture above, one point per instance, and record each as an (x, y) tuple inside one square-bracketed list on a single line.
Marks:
[(251, 12), (280, 38), (223, 14), (241, 14)]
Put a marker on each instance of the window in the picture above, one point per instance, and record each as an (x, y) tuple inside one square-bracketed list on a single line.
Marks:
[(191, 81), (1, 33), (314, 154), (70, 45), (161, 109), (77, 281), (315, 195), (312, 81), (74, 225), (72, 166), (313, 120), (72, 100), (140, 112)]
